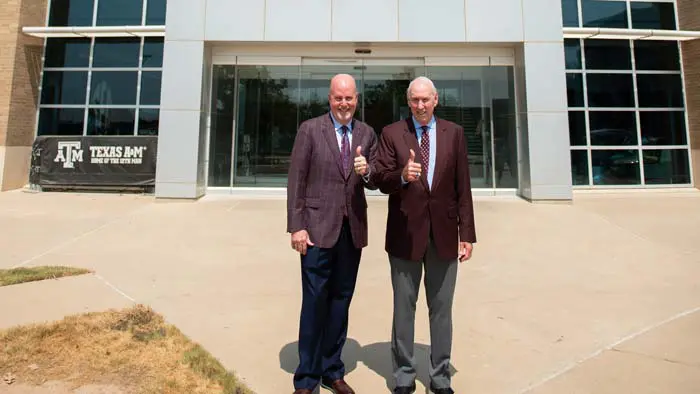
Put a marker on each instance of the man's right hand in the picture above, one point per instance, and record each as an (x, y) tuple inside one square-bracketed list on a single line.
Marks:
[(412, 170), (300, 240)]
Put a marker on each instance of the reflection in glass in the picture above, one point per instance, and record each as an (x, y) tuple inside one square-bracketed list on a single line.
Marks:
[(572, 52), (67, 52), (663, 127), (569, 11), (462, 101), (221, 130), (71, 13), (64, 87), (666, 166), (119, 12), (111, 121), (610, 90), (155, 12), (615, 167), (150, 87), (647, 15), (574, 89), (116, 52), (113, 87), (384, 94), (577, 128), (148, 121), (267, 123), (613, 128), (604, 13), (61, 121), (579, 167), (660, 90), (656, 55), (502, 95), (152, 52), (608, 55)]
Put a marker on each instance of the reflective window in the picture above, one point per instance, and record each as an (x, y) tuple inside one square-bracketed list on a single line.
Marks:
[(152, 52), (113, 87), (148, 121), (574, 89), (613, 128), (666, 166), (647, 15), (71, 13), (61, 121), (615, 167), (150, 87), (67, 52), (572, 52), (221, 130), (569, 10), (579, 167), (577, 128), (64, 87), (111, 121), (656, 55), (119, 12), (608, 55), (663, 127), (116, 52), (660, 90), (155, 12), (610, 90), (604, 13)]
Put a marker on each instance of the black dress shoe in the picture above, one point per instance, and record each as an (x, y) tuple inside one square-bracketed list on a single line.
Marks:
[(405, 389), (446, 390)]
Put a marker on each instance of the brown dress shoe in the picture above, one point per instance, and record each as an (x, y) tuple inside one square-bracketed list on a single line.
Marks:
[(338, 387), (302, 391)]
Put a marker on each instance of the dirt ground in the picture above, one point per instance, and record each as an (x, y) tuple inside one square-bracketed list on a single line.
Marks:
[(56, 387)]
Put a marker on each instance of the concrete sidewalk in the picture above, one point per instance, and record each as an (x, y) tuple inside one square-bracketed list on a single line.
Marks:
[(599, 296)]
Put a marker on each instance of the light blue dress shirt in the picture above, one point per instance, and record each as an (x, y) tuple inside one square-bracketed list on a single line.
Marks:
[(339, 134), (432, 128)]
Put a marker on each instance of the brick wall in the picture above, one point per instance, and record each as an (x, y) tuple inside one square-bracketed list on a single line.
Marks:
[(689, 16), (20, 67)]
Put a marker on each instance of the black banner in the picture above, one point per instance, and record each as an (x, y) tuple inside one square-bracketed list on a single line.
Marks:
[(94, 161)]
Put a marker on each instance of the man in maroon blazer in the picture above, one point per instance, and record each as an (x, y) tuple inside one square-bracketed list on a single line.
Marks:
[(422, 164), (327, 217)]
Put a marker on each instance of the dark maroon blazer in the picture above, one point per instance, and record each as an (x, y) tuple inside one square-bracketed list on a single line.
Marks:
[(414, 209), (317, 187)]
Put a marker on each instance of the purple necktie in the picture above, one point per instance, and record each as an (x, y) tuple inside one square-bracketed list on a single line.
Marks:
[(345, 150)]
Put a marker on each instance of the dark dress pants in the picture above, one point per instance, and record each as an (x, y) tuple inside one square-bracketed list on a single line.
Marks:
[(328, 277)]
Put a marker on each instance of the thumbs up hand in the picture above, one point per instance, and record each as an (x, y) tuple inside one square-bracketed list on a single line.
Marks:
[(361, 167), (412, 170)]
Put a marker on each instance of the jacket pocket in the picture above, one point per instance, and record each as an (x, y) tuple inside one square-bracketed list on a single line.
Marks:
[(313, 203), (452, 211)]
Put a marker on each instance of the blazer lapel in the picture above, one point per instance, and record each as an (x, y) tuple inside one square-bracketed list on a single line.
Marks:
[(411, 138), (441, 147), (332, 140)]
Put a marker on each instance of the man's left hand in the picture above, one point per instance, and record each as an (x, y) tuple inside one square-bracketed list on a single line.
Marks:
[(360, 162), (465, 251)]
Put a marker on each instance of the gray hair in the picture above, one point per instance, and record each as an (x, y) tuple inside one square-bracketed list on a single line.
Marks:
[(420, 79)]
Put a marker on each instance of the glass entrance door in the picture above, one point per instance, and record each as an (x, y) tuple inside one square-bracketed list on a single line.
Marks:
[(256, 110)]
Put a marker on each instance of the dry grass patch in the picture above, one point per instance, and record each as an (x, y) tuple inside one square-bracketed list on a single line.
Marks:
[(31, 274), (132, 349)]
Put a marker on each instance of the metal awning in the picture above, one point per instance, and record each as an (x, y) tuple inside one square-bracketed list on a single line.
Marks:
[(630, 34), (95, 31)]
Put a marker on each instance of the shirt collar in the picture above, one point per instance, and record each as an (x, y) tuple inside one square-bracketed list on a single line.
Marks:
[(337, 124), (431, 123)]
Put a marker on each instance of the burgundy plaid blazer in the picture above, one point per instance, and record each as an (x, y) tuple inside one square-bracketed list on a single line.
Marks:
[(317, 188)]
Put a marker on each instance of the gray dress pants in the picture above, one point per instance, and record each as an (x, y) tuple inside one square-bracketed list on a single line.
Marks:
[(440, 280)]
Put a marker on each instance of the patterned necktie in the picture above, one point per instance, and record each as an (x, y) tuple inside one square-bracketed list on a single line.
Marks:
[(425, 151), (345, 150)]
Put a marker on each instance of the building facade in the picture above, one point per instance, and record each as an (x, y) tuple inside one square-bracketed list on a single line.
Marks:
[(553, 95)]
